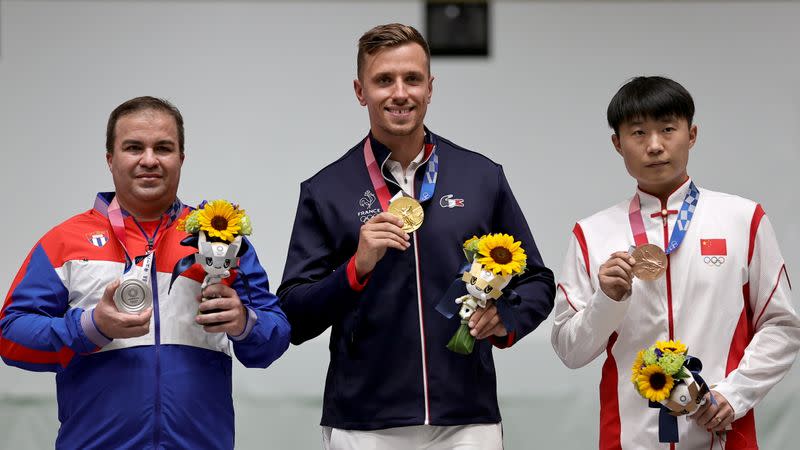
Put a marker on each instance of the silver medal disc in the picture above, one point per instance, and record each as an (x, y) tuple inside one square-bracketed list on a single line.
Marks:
[(133, 296)]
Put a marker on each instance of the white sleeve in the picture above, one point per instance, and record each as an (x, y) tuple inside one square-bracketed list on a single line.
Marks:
[(585, 317), (776, 338)]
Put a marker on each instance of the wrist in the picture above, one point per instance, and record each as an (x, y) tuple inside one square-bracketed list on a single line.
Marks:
[(362, 269)]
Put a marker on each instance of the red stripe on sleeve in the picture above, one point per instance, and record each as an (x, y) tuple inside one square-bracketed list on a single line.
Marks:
[(503, 343), (774, 288), (352, 277), (567, 297), (578, 232), (16, 352), (754, 223)]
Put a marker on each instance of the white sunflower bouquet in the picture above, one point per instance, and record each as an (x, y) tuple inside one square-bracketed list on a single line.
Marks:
[(667, 376), (495, 259)]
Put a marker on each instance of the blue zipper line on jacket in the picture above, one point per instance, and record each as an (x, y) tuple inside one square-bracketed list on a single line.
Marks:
[(157, 337)]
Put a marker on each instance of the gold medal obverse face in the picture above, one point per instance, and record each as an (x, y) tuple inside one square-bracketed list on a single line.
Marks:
[(651, 262), (410, 211)]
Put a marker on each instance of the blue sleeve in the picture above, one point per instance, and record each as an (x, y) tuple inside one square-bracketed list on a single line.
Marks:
[(315, 291), (266, 334), (529, 298), (39, 330)]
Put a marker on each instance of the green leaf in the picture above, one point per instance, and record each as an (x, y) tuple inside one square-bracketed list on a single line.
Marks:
[(462, 342)]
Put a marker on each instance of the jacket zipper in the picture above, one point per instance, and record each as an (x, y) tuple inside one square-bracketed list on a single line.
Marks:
[(426, 397), (157, 337), (665, 226)]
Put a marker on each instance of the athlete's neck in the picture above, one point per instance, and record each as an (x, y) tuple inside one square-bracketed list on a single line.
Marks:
[(404, 148), (144, 213), (664, 191)]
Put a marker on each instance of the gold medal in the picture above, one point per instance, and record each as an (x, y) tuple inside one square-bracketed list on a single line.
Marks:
[(651, 262), (410, 211)]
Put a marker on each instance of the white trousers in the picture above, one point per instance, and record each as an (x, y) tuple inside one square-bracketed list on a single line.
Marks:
[(421, 437)]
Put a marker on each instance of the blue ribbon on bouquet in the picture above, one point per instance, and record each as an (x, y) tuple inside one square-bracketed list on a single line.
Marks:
[(668, 422)]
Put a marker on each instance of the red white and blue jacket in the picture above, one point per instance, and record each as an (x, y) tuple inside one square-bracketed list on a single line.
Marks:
[(389, 363), (170, 388), (725, 294)]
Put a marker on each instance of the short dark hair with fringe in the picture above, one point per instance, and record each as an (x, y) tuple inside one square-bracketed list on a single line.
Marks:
[(650, 97)]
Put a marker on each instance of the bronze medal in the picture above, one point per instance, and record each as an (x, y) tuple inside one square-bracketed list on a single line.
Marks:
[(410, 211), (651, 262)]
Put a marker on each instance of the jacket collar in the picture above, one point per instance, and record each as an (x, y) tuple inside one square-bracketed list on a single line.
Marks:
[(650, 203), (103, 199), (382, 152)]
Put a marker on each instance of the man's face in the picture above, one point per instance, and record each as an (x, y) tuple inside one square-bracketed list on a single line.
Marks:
[(146, 162), (656, 151), (395, 86)]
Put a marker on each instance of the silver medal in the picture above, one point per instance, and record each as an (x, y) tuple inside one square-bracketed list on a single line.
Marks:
[(134, 295)]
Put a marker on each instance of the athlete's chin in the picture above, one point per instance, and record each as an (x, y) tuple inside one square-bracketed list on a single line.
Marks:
[(149, 193)]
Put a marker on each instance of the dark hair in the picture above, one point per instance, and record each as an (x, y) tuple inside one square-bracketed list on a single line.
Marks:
[(389, 35), (142, 104), (650, 97)]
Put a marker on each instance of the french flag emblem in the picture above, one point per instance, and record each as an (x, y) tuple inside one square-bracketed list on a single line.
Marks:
[(98, 238)]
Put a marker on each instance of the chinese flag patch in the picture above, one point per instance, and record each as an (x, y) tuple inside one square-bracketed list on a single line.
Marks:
[(713, 247)]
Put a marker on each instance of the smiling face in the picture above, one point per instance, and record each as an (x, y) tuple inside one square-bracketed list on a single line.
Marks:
[(656, 152), (396, 86), (146, 162)]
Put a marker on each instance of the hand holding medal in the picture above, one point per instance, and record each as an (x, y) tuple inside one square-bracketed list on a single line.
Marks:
[(650, 262), (409, 211)]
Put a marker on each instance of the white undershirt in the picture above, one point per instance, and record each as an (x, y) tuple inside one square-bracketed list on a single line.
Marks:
[(405, 179)]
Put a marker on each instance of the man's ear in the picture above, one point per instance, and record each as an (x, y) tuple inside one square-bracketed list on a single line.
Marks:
[(692, 135), (359, 90), (615, 141)]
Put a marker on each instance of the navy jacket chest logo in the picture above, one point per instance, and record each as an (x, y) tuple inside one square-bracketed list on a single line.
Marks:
[(366, 202)]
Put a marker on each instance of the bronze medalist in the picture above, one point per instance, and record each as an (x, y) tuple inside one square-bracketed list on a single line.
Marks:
[(651, 262), (410, 211)]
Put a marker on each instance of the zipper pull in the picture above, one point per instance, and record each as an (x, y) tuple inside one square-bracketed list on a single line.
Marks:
[(664, 214), (149, 245)]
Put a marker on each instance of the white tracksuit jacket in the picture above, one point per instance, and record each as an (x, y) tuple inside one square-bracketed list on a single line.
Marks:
[(731, 307)]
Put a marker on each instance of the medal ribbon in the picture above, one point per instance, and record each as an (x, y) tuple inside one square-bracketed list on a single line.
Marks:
[(115, 216), (681, 224), (379, 184)]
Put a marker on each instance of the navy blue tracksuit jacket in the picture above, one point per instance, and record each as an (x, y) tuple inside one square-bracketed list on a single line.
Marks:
[(389, 366)]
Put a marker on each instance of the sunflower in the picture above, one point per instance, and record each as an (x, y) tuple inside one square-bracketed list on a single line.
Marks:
[(220, 219), (636, 368), (671, 347), (500, 254), (654, 384)]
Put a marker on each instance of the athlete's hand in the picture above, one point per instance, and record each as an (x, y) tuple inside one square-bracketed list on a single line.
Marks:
[(714, 417), (616, 275), (114, 324), (222, 310), (382, 231), (485, 322)]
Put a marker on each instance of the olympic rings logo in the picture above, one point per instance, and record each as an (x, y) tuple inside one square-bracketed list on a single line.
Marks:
[(714, 260)]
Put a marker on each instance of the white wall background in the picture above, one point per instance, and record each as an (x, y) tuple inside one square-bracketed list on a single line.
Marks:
[(266, 91)]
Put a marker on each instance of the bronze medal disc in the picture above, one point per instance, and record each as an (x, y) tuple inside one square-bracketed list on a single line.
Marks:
[(651, 262), (410, 211)]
